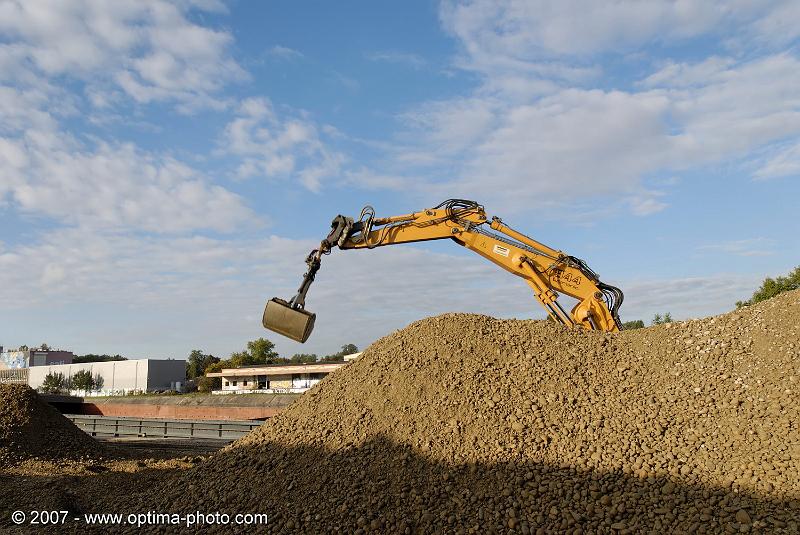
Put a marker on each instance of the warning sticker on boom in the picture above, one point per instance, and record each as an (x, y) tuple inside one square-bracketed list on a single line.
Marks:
[(502, 251)]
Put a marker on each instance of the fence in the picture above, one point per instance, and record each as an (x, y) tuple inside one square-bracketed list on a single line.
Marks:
[(14, 376), (112, 426)]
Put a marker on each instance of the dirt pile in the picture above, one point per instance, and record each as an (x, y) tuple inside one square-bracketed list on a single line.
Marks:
[(464, 423), (30, 428)]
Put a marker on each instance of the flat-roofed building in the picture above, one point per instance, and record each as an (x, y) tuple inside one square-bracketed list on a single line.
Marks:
[(119, 377), (351, 357), (27, 358), (274, 378)]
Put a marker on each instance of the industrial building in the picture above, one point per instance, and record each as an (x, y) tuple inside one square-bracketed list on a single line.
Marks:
[(279, 378), (27, 358), (120, 376)]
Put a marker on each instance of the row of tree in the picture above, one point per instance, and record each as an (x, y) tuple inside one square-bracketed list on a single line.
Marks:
[(658, 319), (258, 353), (772, 287), (91, 357), (83, 380)]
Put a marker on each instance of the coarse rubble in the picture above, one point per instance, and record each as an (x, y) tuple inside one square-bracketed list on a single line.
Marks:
[(468, 424), (30, 428)]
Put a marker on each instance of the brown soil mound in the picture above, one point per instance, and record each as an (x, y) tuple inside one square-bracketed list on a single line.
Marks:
[(29, 427), (464, 423)]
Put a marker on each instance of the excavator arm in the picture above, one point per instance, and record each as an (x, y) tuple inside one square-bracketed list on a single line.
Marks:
[(547, 271)]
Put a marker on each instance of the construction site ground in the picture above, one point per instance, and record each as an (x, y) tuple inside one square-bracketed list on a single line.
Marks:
[(463, 423)]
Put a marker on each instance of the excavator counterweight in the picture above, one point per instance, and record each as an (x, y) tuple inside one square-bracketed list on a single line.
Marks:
[(547, 271)]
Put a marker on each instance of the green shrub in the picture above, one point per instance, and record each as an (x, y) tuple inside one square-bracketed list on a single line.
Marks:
[(54, 383), (772, 287), (83, 380), (658, 319), (635, 324)]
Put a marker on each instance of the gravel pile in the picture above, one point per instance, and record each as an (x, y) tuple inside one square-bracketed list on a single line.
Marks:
[(30, 428), (468, 424)]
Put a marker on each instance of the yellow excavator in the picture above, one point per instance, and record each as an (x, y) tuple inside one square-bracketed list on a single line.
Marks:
[(547, 271)]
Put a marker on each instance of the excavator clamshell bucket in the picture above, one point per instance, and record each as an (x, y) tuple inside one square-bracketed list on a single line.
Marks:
[(293, 323)]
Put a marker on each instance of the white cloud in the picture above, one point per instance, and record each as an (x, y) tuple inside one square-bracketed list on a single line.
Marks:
[(688, 297), (743, 247), (403, 58), (80, 265), (47, 172), (784, 162), (736, 112), (681, 75), (647, 203), (277, 146), (519, 31), (114, 186), (574, 144), (779, 25), (453, 125), (285, 53), (533, 134), (368, 179), (149, 49)]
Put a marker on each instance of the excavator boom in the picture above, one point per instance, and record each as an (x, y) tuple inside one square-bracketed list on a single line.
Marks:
[(549, 272)]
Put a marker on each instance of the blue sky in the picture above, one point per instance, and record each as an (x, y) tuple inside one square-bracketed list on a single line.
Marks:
[(166, 166)]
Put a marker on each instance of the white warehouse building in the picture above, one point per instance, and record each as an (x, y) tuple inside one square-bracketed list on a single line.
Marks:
[(121, 376)]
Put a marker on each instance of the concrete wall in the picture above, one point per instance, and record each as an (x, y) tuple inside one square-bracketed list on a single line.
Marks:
[(120, 377)]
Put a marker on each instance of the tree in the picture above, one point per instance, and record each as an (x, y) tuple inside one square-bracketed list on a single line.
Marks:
[(54, 383), (347, 349), (772, 287), (303, 358), (44, 347), (198, 362), (91, 357), (658, 319), (262, 351), (82, 380), (635, 324), (207, 384), (258, 352)]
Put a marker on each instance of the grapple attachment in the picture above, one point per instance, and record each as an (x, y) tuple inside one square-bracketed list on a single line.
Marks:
[(294, 323), (289, 318)]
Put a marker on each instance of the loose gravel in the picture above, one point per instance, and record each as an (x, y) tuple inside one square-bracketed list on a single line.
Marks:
[(469, 424), (32, 429)]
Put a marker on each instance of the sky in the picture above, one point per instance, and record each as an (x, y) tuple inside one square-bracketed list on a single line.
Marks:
[(165, 166)]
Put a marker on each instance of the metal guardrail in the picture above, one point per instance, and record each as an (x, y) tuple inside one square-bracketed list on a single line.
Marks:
[(120, 426)]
